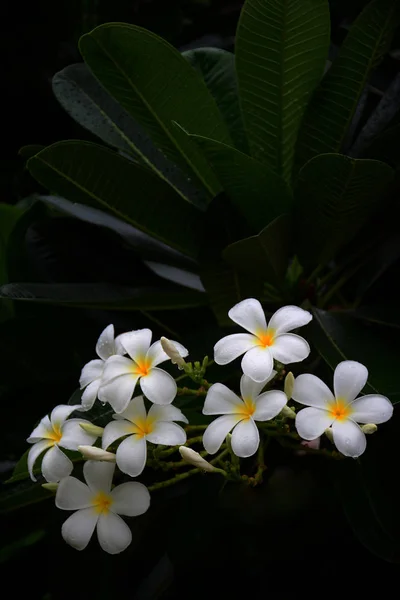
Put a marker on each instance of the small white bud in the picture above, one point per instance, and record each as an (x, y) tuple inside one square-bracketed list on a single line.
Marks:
[(329, 434), (52, 487), (172, 352), (93, 429), (369, 428), (193, 458), (288, 413), (289, 385), (93, 453)]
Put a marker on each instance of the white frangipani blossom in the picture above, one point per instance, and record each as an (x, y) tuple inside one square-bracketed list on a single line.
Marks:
[(52, 434), (240, 414), (157, 426), (97, 506), (121, 373), (341, 411), (265, 342), (92, 372)]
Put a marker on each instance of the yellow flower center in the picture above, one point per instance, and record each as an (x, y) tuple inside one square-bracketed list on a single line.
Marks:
[(102, 503), (55, 433), (266, 338), (247, 408), (141, 367), (339, 409), (143, 427)]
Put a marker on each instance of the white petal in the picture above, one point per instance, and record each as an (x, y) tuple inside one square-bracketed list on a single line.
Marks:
[(116, 366), (166, 413), (371, 409), (34, 454), (132, 455), (56, 465), (220, 400), (60, 413), (89, 396), (115, 430), (257, 364), (130, 499), (312, 422), (156, 354), (287, 318), (312, 391), (245, 438), (98, 475), (72, 494), (290, 348), (217, 431), (78, 528), (43, 430), (136, 343), (113, 533), (349, 379), (167, 433), (118, 391), (250, 388), (249, 314), (105, 346), (73, 435), (348, 438), (91, 371), (269, 405), (158, 386), (135, 411), (232, 346), (119, 348)]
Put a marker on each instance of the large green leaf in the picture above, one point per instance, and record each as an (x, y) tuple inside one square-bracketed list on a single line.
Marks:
[(90, 105), (257, 192), (335, 196), (333, 105), (263, 256), (339, 336), (217, 68), (93, 175), (281, 49), (103, 295), (157, 86)]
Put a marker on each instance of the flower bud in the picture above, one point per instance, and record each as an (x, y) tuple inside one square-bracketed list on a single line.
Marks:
[(289, 385), (193, 458), (369, 428), (52, 487), (329, 434), (313, 444), (93, 429), (172, 352), (93, 453), (288, 412)]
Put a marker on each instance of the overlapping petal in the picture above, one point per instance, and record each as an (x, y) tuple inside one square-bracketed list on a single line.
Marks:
[(105, 346), (56, 465), (289, 348), (98, 475), (89, 395), (257, 364), (159, 386), (232, 346), (156, 354), (269, 405), (312, 422), (130, 499), (118, 392), (217, 431), (113, 533), (348, 438), (372, 408), (131, 455), (249, 314), (79, 527), (91, 371), (349, 379), (116, 430), (73, 435), (43, 430), (72, 494), (167, 412), (311, 391), (288, 318), (245, 438), (220, 400), (37, 449), (135, 411), (250, 388), (136, 343), (167, 433)]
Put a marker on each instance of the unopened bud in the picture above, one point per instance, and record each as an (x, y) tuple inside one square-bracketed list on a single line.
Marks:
[(193, 458), (329, 434), (369, 428), (172, 352), (52, 487), (289, 385), (93, 453), (92, 429), (288, 412)]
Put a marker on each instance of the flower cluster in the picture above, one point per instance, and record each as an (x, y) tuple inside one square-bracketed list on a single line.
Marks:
[(135, 434)]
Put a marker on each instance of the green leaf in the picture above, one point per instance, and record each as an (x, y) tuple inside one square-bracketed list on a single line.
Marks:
[(157, 86), (265, 256), (13, 549), (386, 147), (385, 254), (257, 192), (90, 105), (21, 472), (338, 336), (103, 295), (331, 110), (21, 494), (281, 49), (93, 175), (217, 68), (335, 196), (380, 315), (30, 150)]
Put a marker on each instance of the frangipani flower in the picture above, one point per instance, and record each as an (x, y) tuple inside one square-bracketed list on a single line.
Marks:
[(156, 427), (97, 505), (121, 373), (240, 414), (343, 410), (265, 341), (92, 372), (53, 433)]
